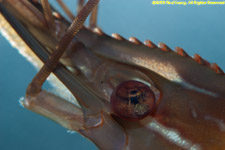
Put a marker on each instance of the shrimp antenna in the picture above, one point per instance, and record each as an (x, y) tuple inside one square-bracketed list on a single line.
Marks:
[(37, 82)]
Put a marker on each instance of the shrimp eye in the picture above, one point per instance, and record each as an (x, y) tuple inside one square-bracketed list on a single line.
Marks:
[(132, 100)]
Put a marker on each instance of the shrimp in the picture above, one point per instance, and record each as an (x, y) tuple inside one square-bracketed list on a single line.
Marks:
[(163, 36)]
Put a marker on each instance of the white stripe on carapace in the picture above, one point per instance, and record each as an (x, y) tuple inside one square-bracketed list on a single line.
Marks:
[(173, 136)]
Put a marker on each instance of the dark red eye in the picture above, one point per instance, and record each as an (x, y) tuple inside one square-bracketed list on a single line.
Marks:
[(132, 100)]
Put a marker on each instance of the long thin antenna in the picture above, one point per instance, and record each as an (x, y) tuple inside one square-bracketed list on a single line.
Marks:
[(37, 82)]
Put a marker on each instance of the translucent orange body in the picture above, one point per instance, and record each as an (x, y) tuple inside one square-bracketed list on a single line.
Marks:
[(188, 104)]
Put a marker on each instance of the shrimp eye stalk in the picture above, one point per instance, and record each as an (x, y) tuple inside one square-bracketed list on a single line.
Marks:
[(132, 100)]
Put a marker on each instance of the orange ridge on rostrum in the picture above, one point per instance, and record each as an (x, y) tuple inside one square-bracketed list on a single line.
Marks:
[(197, 58), (149, 44), (181, 52), (216, 68), (98, 31), (118, 37), (135, 41), (164, 47)]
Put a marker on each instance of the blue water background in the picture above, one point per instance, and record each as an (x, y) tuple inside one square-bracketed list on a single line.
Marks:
[(197, 29)]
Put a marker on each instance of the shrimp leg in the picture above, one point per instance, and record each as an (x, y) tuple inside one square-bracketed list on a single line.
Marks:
[(93, 18), (66, 9), (49, 17), (80, 5)]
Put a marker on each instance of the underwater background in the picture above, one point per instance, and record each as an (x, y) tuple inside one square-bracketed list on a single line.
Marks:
[(197, 29)]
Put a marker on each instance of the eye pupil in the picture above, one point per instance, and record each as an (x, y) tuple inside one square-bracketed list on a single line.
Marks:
[(133, 92), (132, 100)]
